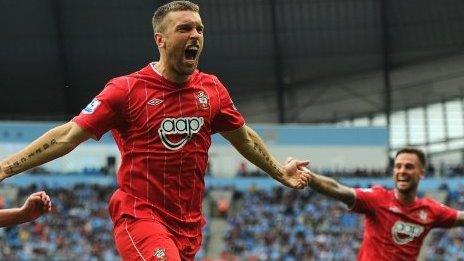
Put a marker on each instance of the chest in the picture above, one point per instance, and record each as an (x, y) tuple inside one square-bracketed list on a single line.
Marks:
[(181, 109), (403, 225)]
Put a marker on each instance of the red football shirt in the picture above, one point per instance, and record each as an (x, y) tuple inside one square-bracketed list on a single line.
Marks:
[(394, 231), (163, 131)]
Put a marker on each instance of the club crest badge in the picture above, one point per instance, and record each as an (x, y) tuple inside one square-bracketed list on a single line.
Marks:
[(423, 216), (202, 100), (160, 254)]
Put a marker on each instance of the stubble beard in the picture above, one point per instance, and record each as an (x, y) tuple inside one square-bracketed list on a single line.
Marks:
[(185, 70), (411, 188)]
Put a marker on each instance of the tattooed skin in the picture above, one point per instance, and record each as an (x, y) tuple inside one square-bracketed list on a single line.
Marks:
[(8, 169), (259, 148), (11, 167)]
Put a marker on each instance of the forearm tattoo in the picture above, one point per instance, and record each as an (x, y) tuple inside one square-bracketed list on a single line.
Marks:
[(12, 167), (259, 148)]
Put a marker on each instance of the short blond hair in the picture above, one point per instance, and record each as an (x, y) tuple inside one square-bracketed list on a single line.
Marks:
[(162, 11)]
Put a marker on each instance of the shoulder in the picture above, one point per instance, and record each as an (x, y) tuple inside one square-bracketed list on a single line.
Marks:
[(437, 207), (205, 75), (125, 81), (445, 216), (120, 82), (376, 189), (367, 200), (375, 193), (372, 192), (208, 78), (431, 202)]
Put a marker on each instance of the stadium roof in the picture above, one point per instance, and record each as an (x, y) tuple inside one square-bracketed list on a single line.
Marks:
[(325, 58)]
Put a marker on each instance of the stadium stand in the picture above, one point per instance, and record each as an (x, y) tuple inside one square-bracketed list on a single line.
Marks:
[(281, 224), (261, 224)]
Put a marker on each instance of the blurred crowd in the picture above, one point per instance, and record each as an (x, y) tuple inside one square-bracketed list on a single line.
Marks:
[(262, 225), (78, 228), (448, 244), (453, 170), (301, 225), (243, 170), (291, 225)]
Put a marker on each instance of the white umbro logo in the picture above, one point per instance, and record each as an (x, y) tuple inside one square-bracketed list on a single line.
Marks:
[(155, 101)]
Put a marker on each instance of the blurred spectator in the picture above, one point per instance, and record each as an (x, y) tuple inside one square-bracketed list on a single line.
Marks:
[(279, 224), (291, 225), (78, 228), (242, 169), (222, 207), (445, 170)]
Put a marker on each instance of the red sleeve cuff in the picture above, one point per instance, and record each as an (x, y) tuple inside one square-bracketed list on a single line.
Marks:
[(87, 126)]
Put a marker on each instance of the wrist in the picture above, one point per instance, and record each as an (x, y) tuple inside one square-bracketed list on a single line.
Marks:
[(20, 210), (313, 181), (21, 214)]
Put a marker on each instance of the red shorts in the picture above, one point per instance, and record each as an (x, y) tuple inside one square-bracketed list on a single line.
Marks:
[(147, 239)]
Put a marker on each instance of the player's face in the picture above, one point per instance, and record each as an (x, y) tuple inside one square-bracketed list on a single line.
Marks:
[(407, 172), (183, 41)]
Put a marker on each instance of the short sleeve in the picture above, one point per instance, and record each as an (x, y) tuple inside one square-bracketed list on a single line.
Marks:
[(366, 199), (228, 118), (103, 113), (446, 216)]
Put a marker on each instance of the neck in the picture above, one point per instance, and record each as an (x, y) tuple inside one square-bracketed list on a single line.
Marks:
[(170, 74), (406, 197)]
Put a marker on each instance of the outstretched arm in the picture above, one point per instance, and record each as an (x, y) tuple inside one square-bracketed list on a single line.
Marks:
[(330, 187), (250, 145), (333, 189), (36, 205), (53, 144)]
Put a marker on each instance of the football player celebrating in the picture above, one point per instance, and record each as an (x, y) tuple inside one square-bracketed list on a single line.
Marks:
[(396, 221), (162, 118)]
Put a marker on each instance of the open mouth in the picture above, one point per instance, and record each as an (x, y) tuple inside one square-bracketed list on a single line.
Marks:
[(191, 53), (403, 180)]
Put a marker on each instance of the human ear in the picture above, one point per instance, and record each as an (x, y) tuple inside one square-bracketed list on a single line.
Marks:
[(159, 40)]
